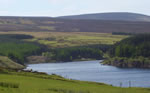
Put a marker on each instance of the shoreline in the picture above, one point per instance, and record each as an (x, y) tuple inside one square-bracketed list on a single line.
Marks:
[(55, 72), (123, 62), (55, 61)]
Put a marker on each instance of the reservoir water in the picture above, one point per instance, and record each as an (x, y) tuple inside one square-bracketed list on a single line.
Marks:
[(94, 71)]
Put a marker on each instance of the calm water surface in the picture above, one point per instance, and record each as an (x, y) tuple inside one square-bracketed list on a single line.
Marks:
[(93, 71)]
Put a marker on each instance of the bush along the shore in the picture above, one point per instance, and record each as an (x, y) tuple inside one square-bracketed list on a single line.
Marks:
[(124, 62), (76, 53), (131, 52)]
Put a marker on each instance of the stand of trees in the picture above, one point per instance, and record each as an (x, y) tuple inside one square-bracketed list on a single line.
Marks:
[(122, 33), (131, 52), (70, 54), (138, 45), (16, 49)]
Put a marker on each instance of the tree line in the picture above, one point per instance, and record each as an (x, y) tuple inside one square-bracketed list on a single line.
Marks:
[(70, 54), (134, 46), (131, 52)]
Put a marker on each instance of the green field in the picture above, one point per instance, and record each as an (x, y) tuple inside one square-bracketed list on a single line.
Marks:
[(69, 39), (25, 82)]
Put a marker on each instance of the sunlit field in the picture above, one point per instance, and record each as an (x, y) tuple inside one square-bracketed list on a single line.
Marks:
[(69, 39)]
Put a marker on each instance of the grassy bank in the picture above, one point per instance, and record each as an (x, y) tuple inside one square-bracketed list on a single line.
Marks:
[(26, 82)]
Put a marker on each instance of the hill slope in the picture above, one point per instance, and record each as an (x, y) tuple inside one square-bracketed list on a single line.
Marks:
[(122, 16), (5, 62), (67, 25), (25, 82)]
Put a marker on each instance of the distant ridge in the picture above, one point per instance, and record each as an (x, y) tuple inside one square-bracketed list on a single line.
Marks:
[(118, 16), (35, 24)]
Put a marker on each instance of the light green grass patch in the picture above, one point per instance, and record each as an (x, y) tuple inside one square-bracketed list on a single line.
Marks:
[(37, 84)]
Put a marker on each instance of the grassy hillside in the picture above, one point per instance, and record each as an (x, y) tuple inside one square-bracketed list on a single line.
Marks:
[(5, 62), (36, 24), (111, 16), (25, 82)]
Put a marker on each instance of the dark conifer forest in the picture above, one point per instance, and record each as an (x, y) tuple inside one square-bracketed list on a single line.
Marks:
[(134, 46), (131, 52), (16, 49)]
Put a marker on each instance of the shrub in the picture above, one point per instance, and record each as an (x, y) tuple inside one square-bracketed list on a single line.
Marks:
[(9, 85)]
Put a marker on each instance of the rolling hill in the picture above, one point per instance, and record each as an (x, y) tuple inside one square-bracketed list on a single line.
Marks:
[(38, 24), (120, 16)]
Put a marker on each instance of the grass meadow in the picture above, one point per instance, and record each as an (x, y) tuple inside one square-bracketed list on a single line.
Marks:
[(25, 82)]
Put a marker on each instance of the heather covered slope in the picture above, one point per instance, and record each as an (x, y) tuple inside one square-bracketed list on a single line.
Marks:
[(37, 24)]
